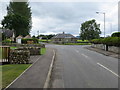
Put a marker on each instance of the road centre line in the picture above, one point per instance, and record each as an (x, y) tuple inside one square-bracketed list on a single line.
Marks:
[(84, 55), (77, 51), (108, 69)]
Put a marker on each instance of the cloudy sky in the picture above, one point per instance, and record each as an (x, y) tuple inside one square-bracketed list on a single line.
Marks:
[(52, 17)]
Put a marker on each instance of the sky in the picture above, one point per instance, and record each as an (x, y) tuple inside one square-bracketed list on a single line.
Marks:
[(56, 16)]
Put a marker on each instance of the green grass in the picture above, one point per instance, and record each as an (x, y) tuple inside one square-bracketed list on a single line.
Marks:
[(13, 47), (0, 53), (44, 40), (11, 72), (82, 41), (77, 44), (43, 51)]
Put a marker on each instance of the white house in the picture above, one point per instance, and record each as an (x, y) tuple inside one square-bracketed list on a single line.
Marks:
[(19, 39)]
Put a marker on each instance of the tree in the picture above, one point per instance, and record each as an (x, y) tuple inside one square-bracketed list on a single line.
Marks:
[(90, 30), (18, 18), (116, 34), (46, 36)]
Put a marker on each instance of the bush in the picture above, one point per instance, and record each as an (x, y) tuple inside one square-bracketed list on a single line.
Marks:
[(7, 41), (110, 41), (116, 34), (97, 41), (25, 41)]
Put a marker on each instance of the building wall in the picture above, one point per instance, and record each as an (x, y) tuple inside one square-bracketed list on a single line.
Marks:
[(64, 40)]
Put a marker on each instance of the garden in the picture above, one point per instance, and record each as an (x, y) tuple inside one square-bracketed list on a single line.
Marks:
[(19, 58)]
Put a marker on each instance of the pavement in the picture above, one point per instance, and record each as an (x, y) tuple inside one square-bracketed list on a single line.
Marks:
[(35, 76), (106, 53), (78, 67)]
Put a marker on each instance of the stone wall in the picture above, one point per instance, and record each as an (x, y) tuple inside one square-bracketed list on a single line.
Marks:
[(19, 57), (114, 49), (107, 48), (32, 50), (99, 46), (24, 45)]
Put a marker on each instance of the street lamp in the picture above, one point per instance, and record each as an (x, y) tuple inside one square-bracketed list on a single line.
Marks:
[(104, 20)]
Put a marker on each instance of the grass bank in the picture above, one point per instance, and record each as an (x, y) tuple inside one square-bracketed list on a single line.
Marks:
[(13, 47), (11, 72), (43, 51)]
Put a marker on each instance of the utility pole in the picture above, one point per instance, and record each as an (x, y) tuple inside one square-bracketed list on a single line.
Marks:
[(104, 20)]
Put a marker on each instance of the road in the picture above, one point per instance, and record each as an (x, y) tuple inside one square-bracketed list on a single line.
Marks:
[(77, 67)]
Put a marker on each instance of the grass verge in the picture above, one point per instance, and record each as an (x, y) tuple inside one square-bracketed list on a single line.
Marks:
[(82, 41), (11, 72), (13, 47), (43, 51), (77, 44)]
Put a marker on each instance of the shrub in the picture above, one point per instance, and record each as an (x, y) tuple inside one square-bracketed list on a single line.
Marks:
[(97, 41), (25, 41), (111, 41), (116, 34), (7, 41)]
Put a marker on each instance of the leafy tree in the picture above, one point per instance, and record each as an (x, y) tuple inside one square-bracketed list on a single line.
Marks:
[(50, 36), (18, 18), (116, 34), (46, 36), (90, 30)]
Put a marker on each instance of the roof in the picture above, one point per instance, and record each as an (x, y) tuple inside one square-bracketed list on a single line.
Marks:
[(27, 37), (19, 37), (8, 33), (63, 35)]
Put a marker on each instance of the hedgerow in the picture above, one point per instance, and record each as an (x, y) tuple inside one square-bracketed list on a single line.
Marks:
[(111, 41), (24, 41)]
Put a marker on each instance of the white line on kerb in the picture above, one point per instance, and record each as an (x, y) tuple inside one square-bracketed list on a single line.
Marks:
[(108, 69), (46, 85)]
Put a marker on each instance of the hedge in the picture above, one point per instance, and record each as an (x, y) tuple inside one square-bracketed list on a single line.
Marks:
[(25, 41), (6, 41), (97, 41), (116, 34), (111, 41)]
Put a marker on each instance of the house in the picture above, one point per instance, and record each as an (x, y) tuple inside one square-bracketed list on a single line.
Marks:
[(19, 39), (28, 37), (64, 38), (9, 34), (29, 41)]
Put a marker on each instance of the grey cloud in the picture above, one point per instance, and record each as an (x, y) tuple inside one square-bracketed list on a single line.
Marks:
[(67, 16)]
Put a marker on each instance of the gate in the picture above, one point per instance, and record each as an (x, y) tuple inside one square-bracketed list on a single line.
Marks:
[(4, 54)]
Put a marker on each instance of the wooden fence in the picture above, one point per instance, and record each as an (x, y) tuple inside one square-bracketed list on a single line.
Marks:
[(4, 54)]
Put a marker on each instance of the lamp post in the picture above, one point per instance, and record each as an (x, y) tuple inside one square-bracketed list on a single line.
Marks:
[(104, 20)]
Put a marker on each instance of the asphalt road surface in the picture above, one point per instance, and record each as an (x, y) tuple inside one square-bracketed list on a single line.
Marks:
[(77, 67)]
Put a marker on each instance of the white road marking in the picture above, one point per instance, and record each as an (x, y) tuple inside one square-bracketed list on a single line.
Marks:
[(108, 69), (84, 55), (46, 85), (77, 51)]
